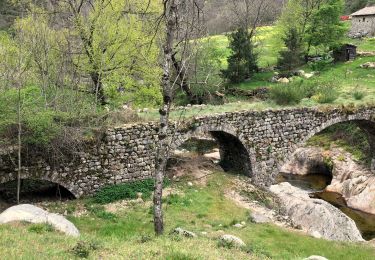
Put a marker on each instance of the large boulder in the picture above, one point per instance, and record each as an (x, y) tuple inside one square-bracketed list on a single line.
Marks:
[(315, 216), (350, 179), (306, 161), (353, 181), (33, 214)]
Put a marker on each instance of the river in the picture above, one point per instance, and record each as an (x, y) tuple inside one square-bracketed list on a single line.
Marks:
[(316, 185)]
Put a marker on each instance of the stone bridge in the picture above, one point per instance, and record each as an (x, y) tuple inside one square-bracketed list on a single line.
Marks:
[(255, 142)]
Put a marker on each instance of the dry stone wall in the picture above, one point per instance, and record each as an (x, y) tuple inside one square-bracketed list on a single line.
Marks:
[(261, 142)]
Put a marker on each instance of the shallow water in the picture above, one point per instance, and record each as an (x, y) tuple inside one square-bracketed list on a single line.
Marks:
[(316, 184)]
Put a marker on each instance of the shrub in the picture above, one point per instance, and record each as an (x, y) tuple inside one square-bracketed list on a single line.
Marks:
[(82, 249), (322, 64), (326, 93), (125, 191), (358, 95), (290, 94)]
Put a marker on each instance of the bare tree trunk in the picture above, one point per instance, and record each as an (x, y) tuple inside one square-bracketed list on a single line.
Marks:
[(170, 16), (19, 145)]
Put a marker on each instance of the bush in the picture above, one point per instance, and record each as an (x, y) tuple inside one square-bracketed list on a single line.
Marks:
[(326, 93), (125, 191), (290, 94), (358, 95), (322, 64), (82, 249)]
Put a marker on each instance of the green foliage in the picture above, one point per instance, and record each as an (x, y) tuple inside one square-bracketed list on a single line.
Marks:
[(326, 93), (325, 28), (128, 190), (82, 249), (290, 94), (317, 22), (352, 6), (358, 95), (242, 63), (40, 228), (291, 58), (323, 64), (204, 73), (100, 212)]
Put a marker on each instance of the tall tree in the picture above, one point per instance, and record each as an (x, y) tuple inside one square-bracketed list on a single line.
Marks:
[(173, 19), (242, 63)]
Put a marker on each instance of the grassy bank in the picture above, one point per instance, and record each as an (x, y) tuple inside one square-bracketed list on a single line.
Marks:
[(127, 232), (353, 85)]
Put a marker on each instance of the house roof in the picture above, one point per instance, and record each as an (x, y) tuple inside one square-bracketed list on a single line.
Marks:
[(370, 10)]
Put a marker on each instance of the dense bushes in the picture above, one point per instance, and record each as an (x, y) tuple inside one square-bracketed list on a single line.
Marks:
[(128, 190), (293, 93)]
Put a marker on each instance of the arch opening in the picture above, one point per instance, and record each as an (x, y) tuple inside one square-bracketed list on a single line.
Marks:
[(212, 149), (33, 191)]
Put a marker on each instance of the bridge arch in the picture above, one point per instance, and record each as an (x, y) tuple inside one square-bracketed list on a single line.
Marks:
[(234, 153), (11, 178), (365, 123)]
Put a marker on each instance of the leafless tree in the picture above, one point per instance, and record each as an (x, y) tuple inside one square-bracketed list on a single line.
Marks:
[(251, 13), (180, 28)]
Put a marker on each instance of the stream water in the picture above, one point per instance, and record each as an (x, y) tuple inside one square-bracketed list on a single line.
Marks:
[(316, 184)]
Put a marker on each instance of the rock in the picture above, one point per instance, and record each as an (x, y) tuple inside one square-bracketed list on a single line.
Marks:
[(233, 240), (215, 156), (315, 234), (315, 215), (306, 161), (238, 225), (283, 80), (308, 75), (183, 232), (259, 218), (274, 79), (353, 181), (33, 214), (316, 257), (368, 65)]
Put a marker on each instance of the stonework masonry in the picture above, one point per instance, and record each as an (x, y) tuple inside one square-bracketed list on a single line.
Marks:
[(257, 142)]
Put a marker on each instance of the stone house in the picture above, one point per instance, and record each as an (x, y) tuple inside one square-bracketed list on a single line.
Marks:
[(363, 22)]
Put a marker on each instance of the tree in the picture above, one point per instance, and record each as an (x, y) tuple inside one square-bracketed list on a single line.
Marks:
[(352, 6), (291, 57), (316, 21), (242, 63), (104, 47), (174, 21), (325, 29)]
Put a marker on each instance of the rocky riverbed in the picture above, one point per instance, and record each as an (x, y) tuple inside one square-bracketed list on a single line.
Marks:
[(336, 177)]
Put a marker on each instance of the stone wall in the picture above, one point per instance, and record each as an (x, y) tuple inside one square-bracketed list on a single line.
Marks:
[(257, 142), (364, 25)]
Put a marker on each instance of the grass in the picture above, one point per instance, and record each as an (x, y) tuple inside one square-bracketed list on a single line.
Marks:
[(198, 208)]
